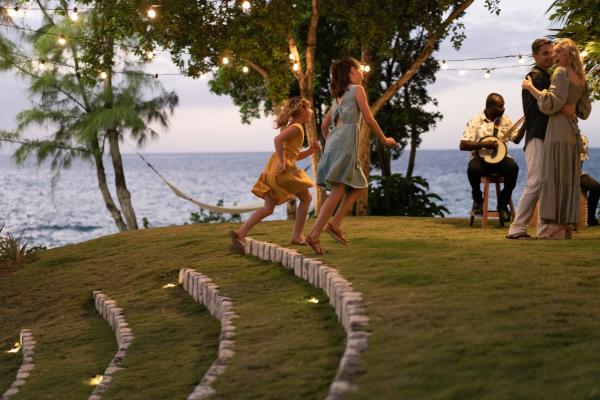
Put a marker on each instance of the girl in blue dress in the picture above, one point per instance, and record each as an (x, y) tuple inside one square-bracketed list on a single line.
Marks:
[(339, 169)]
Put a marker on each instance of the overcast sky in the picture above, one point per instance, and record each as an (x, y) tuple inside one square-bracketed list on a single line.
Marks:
[(204, 122)]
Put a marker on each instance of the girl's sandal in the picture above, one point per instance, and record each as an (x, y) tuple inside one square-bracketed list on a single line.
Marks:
[(336, 234), (316, 245), (303, 243), (238, 244)]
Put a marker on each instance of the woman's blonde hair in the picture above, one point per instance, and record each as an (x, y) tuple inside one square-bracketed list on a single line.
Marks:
[(573, 57), (290, 109)]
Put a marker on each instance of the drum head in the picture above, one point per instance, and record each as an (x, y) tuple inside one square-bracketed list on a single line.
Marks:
[(493, 156)]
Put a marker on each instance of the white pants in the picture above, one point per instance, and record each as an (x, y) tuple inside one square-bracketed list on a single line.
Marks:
[(531, 192)]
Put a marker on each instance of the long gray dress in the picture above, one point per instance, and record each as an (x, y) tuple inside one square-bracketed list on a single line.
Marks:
[(560, 191), (339, 163)]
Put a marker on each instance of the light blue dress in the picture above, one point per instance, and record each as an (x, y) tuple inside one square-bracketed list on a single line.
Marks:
[(339, 163)]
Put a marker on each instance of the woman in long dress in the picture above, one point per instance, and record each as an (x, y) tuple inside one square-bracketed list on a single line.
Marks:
[(561, 169)]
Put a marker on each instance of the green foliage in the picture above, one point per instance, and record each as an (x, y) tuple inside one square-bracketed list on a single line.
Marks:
[(580, 21), (399, 195), (15, 249), (211, 217)]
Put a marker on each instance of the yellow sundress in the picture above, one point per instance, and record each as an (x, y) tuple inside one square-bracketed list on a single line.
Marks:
[(283, 187)]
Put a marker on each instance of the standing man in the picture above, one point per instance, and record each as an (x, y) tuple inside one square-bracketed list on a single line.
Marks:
[(535, 131), (491, 122)]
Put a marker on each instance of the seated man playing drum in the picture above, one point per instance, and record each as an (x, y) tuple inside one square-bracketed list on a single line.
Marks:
[(486, 136)]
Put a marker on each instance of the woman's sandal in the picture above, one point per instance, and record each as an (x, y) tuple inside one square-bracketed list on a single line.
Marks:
[(303, 243), (238, 244), (316, 246), (336, 234)]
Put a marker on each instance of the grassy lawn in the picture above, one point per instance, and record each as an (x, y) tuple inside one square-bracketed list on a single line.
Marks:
[(456, 313)]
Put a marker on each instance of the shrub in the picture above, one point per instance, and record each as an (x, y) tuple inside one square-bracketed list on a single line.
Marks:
[(400, 195), (211, 217)]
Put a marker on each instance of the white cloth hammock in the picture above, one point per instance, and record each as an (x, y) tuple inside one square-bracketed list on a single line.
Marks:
[(241, 209)]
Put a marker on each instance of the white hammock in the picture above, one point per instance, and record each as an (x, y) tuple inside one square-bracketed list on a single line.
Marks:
[(244, 208)]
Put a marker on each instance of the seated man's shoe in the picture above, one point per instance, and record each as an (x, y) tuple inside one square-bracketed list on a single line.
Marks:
[(477, 208), (505, 215)]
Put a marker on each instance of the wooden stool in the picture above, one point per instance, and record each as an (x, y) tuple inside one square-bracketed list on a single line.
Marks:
[(582, 213), (497, 180)]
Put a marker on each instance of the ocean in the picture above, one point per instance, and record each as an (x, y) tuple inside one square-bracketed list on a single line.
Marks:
[(74, 210)]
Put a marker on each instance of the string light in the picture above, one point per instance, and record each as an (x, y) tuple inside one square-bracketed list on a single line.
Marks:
[(487, 74), (367, 68), (103, 75), (74, 15), (292, 57), (225, 60), (202, 76), (444, 64), (61, 40), (462, 72), (245, 69), (42, 65), (584, 54), (521, 59), (246, 6), (151, 13), (296, 67), (150, 55), (13, 12)]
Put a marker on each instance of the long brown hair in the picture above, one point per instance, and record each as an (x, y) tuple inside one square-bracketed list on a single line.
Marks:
[(339, 72), (290, 109)]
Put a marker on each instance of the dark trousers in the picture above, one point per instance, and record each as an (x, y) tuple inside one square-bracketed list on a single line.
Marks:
[(591, 188), (507, 168)]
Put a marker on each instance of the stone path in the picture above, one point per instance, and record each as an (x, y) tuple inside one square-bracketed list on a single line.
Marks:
[(348, 304), (27, 344), (205, 292)]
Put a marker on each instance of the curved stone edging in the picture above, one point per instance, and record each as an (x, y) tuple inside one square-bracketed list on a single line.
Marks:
[(123, 333), (348, 304), (27, 347), (205, 292)]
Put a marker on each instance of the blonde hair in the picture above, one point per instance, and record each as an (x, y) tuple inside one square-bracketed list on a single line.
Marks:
[(573, 57), (290, 109)]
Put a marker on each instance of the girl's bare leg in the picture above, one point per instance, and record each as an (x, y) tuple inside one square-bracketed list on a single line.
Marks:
[(301, 214), (327, 209), (345, 207), (256, 217)]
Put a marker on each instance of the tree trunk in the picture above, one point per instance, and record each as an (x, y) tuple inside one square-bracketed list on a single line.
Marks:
[(122, 192), (103, 186), (364, 151), (414, 134), (305, 81), (291, 209)]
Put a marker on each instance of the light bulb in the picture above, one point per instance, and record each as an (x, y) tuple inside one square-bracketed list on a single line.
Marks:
[(462, 72), (62, 41), (367, 68), (225, 60), (13, 12), (103, 75), (584, 54), (296, 67), (203, 76), (151, 13), (444, 64), (42, 65), (245, 69), (292, 57), (150, 55), (521, 59), (74, 15), (246, 6), (487, 74)]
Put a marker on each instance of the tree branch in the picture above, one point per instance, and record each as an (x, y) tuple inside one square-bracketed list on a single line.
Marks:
[(423, 56), (40, 143)]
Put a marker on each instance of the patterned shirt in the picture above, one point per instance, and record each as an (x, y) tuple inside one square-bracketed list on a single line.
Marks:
[(480, 126)]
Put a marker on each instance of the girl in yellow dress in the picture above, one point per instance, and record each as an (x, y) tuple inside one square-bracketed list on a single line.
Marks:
[(281, 180)]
